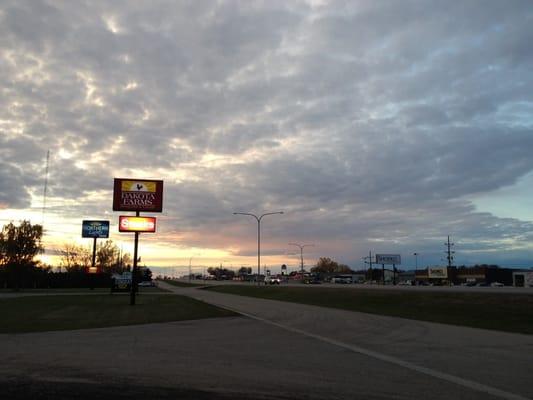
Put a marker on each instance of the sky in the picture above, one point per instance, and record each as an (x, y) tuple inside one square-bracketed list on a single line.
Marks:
[(375, 126)]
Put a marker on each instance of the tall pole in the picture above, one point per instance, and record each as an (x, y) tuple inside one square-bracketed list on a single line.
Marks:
[(301, 246), (369, 257), (259, 250), (258, 237), (190, 261), (134, 268), (93, 262)]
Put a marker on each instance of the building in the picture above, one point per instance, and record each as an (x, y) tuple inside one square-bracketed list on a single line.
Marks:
[(523, 278)]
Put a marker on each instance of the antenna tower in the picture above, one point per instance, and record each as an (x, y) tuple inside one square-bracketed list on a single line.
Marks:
[(449, 252), (45, 184)]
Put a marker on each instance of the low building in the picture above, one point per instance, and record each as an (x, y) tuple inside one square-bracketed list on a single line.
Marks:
[(523, 278)]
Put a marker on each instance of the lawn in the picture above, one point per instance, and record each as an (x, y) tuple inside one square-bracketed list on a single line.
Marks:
[(497, 311), (65, 312), (182, 284)]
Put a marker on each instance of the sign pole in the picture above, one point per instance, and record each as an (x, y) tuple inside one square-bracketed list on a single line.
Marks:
[(134, 268), (383, 274), (91, 278)]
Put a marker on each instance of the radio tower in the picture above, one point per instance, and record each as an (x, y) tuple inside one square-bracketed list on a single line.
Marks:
[(45, 185), (449, 252)]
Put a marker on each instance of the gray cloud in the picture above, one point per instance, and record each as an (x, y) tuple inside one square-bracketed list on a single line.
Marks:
[(368, 123)]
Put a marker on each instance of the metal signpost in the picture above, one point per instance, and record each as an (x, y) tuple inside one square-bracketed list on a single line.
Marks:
[(95, 230), (137, 195), (390, 259)]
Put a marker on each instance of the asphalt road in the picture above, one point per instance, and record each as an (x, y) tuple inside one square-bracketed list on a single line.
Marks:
[(279, 351)]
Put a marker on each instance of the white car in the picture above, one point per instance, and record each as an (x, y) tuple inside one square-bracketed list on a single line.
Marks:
[(272, 280), (497, 284)]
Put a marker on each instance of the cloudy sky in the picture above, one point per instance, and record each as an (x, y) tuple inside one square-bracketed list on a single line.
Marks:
[(378, 126)]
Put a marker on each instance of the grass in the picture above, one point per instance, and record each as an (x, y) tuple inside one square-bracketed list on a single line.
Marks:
[(52, 313), (182, 284), (498, 311)]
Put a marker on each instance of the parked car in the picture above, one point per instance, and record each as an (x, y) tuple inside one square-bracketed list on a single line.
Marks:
[(341, 279), (272, 280), (497, 284), (146, 284)]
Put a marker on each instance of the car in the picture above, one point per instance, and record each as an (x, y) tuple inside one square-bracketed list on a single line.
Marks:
[(146, 284), (405, 283), (497, 284), (272, 280), (341, 279)]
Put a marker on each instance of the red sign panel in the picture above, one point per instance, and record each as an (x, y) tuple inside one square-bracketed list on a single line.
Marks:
[(136, 224), (138, 195)]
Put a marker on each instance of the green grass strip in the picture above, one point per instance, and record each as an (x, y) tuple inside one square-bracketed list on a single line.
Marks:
[(182, 284), (496, 311), (52, 313)]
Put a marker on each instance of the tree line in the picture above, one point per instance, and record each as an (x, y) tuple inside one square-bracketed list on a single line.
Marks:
[(20, 246)]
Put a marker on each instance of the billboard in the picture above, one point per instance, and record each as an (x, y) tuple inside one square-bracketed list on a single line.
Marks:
[(388, 259), (128, 223), (137, 195), (438, 272), (95, 229)]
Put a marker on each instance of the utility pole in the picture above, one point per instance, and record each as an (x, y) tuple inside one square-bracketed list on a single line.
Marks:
[(449, 252), (369, 258)]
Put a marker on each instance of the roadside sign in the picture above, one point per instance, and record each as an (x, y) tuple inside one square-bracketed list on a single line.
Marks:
[(95, 229), (394, 259), (127, 223), (437, 272), (137, 195)]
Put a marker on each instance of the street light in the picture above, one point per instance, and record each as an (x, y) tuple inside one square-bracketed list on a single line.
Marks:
[(416, 260), (258, 236), (301, 246)]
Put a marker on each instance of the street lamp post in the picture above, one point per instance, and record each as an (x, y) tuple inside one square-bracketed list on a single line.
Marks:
[(301, 246), (416, 264), (258, 236)]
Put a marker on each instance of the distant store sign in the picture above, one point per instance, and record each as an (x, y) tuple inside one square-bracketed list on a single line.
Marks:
[(94, 270), (95, 229), (136, 224), (388, 259), (438, 272), (137, 195)]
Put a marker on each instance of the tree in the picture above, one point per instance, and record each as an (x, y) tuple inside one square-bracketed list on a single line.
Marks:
[(75, 258), (19, 245), (107, 254), (326, 265), (244, 271)]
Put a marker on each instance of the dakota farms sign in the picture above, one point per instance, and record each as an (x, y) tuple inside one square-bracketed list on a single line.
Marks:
[(138, 195)]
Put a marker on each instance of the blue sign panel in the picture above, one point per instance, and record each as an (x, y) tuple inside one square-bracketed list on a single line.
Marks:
[(95, 229)]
